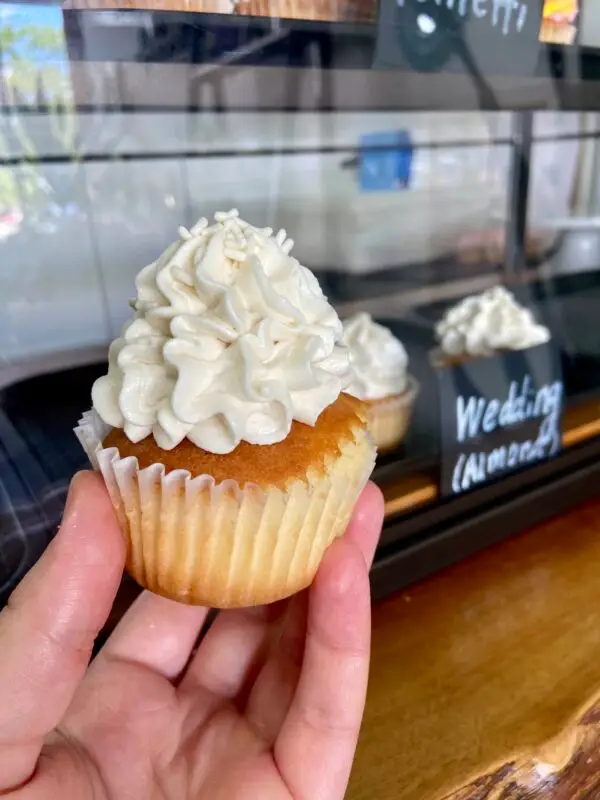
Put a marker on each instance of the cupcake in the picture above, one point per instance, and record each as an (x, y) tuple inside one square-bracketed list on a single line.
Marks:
[(486, 324), (232, 455), (380, 379)]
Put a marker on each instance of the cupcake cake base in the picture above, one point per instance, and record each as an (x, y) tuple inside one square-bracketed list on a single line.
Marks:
[(241, 529)]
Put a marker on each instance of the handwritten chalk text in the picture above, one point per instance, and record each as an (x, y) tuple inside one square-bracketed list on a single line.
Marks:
[(506, 15)]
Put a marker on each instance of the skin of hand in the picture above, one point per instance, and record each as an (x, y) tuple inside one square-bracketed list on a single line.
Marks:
[(267, 707)]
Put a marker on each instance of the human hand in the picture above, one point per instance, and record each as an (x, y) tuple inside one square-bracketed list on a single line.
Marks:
[(267, 708)]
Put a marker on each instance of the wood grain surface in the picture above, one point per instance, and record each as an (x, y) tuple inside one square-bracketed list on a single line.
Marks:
[(485, 678)]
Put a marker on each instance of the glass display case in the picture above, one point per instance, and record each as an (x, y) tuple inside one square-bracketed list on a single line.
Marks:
[(419, 152)]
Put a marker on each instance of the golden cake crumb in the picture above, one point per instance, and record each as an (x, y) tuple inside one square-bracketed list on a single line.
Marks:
[(304, 448)]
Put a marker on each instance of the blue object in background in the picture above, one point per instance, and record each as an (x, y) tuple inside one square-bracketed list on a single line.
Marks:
[(382, 169)]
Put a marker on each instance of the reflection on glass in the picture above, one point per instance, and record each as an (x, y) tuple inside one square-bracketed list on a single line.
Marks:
[(400, 213), (559, 21), (337, 11), (34, 77), (426, 24)]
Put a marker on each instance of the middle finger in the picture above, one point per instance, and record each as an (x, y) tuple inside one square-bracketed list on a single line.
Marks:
[(272, 694), (155, 632), (231, 653)]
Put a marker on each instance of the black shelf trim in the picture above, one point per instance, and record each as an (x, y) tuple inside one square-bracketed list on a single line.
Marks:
[(353, 152), (427, 542), (239, 153)]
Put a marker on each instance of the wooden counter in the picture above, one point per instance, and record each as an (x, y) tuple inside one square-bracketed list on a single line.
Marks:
[(484, 678)]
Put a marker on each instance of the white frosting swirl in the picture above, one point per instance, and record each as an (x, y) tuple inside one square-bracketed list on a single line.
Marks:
[(231, 340), (485, 324), (379, 360)]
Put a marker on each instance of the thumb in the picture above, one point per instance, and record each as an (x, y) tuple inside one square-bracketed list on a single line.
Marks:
[(47, 631)]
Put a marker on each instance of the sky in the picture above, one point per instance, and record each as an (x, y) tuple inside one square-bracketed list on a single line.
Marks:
[(18, 15)]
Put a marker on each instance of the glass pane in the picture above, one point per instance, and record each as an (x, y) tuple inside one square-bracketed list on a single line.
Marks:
[(400, 145)]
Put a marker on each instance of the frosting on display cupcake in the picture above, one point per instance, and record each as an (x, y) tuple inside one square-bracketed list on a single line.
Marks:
[(380, 379), (488, 323), (379, 360), (231, 340)]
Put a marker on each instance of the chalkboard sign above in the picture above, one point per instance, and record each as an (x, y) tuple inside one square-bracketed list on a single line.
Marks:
[(479, 37), (499, 415), (508, 16)]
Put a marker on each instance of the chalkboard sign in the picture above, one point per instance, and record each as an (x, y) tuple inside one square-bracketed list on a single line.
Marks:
[(499, 415), (479, 37)]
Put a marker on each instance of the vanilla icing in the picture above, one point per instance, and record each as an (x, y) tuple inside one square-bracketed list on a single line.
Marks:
[(379, 360), (232, 339), (487, 323)]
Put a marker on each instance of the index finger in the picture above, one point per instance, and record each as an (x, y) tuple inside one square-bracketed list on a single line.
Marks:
[(315, 746), (365, 524), (47, 631)]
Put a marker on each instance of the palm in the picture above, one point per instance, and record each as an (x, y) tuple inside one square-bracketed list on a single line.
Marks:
[(210, 736), (268, 706)]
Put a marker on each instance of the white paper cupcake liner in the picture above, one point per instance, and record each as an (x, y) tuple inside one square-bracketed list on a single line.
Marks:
[(389, 419), (224, 545)]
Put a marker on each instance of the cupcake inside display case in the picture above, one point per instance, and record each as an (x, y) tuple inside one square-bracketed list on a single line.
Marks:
[(501, 391), (483, 326), (381, 379)]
